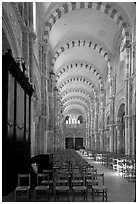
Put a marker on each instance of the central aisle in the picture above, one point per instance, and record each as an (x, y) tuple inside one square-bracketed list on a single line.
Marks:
[(118, 189)]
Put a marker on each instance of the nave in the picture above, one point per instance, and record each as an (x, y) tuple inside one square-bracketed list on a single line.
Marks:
[(70, 162), (69, 84)]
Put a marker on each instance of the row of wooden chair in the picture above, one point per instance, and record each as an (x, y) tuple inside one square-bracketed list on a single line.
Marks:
[(61, 185), (78, 166), (124, 165), (71, 175)]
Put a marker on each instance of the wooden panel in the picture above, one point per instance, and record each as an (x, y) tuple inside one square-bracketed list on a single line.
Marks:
[(10, 106), (78, 143), (69, 143), (20, 113), (27, 117), (16, 110)]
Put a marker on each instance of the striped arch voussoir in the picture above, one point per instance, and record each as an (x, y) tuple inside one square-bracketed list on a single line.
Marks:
[(103, 7), (81, 65)]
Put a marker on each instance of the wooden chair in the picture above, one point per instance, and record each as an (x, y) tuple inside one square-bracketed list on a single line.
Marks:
[(47, 181), (61, 185), (99, 190), (91, 179), (22, 191), (78, 186), (40, 190)]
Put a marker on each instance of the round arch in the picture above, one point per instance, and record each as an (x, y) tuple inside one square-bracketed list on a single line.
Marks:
[(103, 7)]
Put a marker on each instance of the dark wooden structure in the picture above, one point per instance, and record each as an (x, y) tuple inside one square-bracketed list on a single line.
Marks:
[(16, 122), (75, 143)]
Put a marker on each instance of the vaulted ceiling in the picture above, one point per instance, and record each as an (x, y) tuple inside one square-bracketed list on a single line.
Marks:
[(84, 40)]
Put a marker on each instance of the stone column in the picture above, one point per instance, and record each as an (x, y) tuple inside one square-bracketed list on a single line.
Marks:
[(111, 97), (43, 50), (96, 124), (126, 103), (32, 37), (86, 140), (118, 137), (102, 130), (92, 137), (32, 139), (103, 118), (130, 117), (55, 119), (111, 127), (91, 129), (130, 90)]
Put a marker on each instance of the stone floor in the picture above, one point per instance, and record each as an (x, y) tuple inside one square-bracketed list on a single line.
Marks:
[(118, 189)]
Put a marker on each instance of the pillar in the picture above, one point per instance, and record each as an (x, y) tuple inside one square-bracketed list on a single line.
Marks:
[(111, 97), (102, 145), (126, 103), (32, 37), (43, 119), (55, 119), (92, 127), (96, 124)]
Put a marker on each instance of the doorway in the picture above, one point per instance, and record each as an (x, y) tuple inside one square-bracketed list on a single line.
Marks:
[(69, 143)]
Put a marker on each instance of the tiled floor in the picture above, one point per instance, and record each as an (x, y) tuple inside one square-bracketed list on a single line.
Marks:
[(118, 189)]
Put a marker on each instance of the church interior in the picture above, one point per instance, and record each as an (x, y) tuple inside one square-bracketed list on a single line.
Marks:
[(69, 101)]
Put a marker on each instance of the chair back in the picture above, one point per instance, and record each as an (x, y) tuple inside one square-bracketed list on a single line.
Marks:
[(40, 177), (61, 179), (24, 180), (99, 177)]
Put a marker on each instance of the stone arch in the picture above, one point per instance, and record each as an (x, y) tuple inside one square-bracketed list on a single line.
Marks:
[(81, 79), (77, 107), (103, 7), (121, 101), (76, 97), (85, 106), (78, 91), (75, 103), (80, 112), (81, 43), (83, 65)]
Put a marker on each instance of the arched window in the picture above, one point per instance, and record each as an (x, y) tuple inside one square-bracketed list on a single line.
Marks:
[(67, 120), (80, 119)]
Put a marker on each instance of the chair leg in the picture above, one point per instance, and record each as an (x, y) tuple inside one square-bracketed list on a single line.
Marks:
[(106, 194), (48, 195), (28, 195), (73, 195), (93, 194), (15, 195), (103, 194), (55, 195), (86, 195), (68, 195)]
